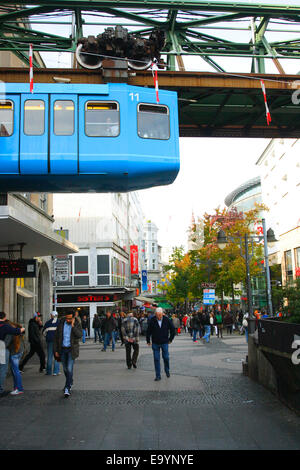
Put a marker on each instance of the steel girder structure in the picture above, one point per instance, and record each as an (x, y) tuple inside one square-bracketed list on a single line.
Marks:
[(211, 105), (188, 25)]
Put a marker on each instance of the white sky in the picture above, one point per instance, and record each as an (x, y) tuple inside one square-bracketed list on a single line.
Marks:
[(210, 170)]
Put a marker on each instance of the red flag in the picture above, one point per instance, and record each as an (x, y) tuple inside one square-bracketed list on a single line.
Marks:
[(268, 115), (30, 68)]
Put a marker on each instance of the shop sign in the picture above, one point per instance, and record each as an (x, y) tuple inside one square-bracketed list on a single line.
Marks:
[(134, 259), (86, 298), (61, 269), (17, 268), (144, 281), (209, 296)]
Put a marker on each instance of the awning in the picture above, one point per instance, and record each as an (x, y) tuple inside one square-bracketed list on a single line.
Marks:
[(20, 223), (165, 306), (145, 299), (147, 305)]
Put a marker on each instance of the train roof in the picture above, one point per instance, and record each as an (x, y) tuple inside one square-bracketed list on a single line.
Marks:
[(74, 88)]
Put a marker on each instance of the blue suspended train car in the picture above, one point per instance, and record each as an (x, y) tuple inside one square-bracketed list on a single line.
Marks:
[(79, 138)]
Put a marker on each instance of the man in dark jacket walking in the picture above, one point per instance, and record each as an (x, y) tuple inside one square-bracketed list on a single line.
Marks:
[(109, 326), (162, 332), (35, 340), (97, 328), (66, 347)]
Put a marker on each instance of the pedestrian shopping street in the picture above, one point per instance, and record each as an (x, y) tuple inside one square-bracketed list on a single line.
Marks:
[(206, 403)]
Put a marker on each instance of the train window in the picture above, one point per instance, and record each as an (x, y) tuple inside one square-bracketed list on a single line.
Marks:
[(64, 117), (6, 118), (102, 119), (34, 117), (153, 121)]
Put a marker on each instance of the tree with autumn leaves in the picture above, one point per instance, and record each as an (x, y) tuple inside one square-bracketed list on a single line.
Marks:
[(224, 265)]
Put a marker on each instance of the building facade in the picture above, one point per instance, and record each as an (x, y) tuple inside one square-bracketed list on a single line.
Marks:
[(104, 227), (26, 232), (279, 167), (153, 257)]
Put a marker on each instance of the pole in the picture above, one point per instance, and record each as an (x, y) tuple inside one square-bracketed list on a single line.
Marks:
[(269, 291), (248, 281)]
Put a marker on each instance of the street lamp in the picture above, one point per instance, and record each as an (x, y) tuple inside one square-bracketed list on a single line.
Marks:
[(268, 236)]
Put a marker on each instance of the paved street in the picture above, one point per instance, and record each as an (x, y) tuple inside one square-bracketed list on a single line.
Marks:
[(206, 403)]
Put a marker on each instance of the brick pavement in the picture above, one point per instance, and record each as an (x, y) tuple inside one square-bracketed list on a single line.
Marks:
[(206, 403)]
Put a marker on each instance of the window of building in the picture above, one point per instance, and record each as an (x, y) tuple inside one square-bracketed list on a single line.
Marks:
[(34, 117), (103, 270), (44, 201), (153, 121), (81, 270), (6, 118), (297, 257), (63, 117), (153, 264), (153, 247), (288, 265), (102, 119)]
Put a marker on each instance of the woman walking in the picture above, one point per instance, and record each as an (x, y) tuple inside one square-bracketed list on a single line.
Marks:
[(219, 320), (16, 348)]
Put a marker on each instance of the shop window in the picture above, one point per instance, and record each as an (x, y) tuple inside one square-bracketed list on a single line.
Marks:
[(81, 264)]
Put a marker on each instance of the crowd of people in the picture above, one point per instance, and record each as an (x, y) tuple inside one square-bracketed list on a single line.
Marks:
[(62, 337)]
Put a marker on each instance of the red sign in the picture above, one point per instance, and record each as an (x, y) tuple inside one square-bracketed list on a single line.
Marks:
[(86, 298), (134, 259), (297, 272)]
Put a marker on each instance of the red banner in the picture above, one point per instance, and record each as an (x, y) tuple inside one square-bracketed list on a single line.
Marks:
[(134, 259)]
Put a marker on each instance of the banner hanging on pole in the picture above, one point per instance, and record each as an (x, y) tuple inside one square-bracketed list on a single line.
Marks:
[(30, 69), (268, 115), (155, 78), (134, 259)]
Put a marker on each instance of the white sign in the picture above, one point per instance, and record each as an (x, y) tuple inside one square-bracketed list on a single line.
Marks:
[(61, 270)]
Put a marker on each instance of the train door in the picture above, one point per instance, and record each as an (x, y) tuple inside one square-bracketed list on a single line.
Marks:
[(34, 136), (63, 132), (101, 147), (9, 134)]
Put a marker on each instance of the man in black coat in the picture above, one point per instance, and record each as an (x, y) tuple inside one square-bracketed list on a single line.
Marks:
[(162, 332), (109, 326), (35, 326)]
